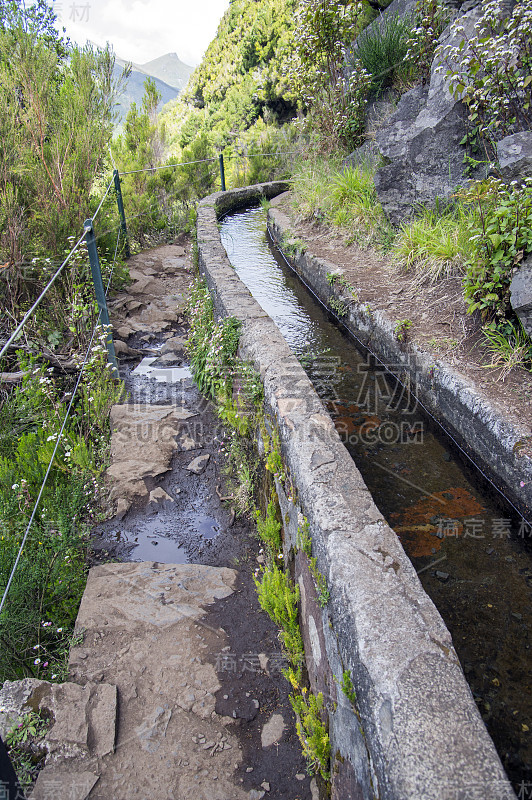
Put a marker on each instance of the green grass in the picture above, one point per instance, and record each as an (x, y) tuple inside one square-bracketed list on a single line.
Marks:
[(435, 246), (509, 347), (312, 185), (354, 201), (344, 197), (382, 48), (48, 583)]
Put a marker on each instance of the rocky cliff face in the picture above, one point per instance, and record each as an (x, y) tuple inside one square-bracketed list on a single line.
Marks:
[(420, 142)]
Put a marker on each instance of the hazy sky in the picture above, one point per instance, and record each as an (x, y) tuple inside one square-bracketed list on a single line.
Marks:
[(140, 30)]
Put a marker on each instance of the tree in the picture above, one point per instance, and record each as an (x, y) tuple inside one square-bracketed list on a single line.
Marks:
[(56, 120)]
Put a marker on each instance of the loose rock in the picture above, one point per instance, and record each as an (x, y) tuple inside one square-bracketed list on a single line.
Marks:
[(199, 464)]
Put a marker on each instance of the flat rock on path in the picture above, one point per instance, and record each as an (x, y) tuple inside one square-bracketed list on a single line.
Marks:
[(143, 440), (156, 297), (144, 634)]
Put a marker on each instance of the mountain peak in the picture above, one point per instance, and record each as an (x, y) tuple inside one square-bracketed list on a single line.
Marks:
[(168, 68)]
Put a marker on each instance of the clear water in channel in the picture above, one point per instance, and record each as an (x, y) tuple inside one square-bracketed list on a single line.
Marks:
[(473, 557)]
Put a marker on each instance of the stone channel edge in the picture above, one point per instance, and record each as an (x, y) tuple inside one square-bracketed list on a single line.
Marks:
[(415, 732)]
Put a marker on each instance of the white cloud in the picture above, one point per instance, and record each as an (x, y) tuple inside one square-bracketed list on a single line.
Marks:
[(141, 30)]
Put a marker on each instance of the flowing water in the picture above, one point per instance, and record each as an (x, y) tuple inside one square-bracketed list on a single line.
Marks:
[(473, 556)]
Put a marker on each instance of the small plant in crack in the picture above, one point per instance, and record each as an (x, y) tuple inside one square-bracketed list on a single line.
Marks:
[(401, 329)]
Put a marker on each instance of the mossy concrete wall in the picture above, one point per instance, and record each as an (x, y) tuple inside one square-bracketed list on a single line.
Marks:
[(415, 731)]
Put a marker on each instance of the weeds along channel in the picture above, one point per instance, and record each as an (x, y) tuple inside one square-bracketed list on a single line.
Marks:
[(472, 556), (254, 463)]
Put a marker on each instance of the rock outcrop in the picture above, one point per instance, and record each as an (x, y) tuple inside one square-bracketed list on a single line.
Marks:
[(421, 140), (515, 156), (521, 294)]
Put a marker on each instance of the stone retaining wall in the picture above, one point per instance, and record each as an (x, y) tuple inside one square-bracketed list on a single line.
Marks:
[(415, 731)]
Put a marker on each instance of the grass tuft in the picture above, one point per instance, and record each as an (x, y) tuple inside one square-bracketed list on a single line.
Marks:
[(382, 48), (326, 191), (509, 346), (435, 246)]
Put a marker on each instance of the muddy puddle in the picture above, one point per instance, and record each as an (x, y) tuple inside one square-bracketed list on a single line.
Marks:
[(196, 527), (472, 553)]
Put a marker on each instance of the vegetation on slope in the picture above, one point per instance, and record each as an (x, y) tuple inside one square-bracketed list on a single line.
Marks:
[(56, 121)]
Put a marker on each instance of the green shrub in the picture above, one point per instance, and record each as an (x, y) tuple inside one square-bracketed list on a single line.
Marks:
[(269, 528), (279, 598), (491, 71), (245, 162), (334, 104), (502, 236), (48, 583), (212, 346), (430, 20), (24, 743), (312, 731)]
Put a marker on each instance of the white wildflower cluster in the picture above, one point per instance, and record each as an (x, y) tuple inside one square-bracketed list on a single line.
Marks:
[(430, 19), (324, 32), (349, 109), (217, 363), (492, 70)]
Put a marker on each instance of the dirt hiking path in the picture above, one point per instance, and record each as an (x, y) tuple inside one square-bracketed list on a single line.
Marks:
[(175, 690)]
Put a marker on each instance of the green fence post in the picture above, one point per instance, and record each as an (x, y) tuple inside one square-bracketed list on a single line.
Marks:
[(222, 171), (120, 204), (90, 240)]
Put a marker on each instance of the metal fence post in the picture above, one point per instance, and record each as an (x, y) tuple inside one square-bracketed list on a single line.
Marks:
[(9, 783), (222, 171), (120, 204), (90, 240)]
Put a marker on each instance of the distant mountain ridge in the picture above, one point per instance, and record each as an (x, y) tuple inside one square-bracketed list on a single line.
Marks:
[(169, 73), (169, 69)]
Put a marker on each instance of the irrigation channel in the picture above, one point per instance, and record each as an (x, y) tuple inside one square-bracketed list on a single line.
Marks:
[(472, 556)]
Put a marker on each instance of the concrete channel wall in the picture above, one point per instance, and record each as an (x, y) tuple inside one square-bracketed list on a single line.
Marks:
[(414, 730), (483, 432)]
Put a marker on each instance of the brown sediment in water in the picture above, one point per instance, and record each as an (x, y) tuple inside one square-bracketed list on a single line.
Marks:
[(423, 526)]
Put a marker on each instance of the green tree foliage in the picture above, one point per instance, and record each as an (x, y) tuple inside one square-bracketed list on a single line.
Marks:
[(140, 147), (245, 66), (243, 80), (156, 198), (56, 113)]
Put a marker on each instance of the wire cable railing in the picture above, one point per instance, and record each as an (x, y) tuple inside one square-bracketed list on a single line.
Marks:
[(111, 184), (168, 166), (48, 286), (91, 238), (59, 436)]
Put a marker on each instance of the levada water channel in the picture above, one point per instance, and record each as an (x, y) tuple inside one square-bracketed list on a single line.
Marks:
[(472, 556)]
